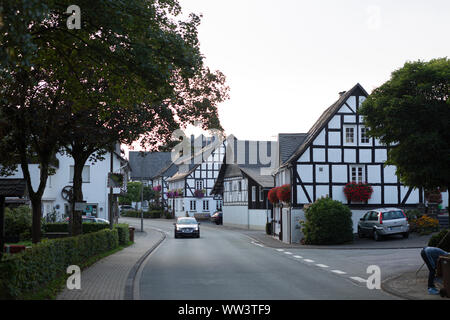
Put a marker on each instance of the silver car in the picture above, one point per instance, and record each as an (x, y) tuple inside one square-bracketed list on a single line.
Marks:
[(383, 222)]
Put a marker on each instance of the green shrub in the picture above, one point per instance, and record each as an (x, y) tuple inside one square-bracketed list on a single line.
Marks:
[(153, 214), (435, 241), (30, 270), (123, 232), (64, 227), (328, 222), (18, 222)]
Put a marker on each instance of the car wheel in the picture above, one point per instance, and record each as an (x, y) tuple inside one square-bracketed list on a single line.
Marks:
[(360, 233), (406, 235), (376, 236), (176, 236)]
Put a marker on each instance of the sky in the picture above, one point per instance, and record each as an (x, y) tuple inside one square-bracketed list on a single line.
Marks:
[(287, 60)]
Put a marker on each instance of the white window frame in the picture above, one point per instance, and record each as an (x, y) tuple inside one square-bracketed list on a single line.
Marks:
[(206, 202), (261, 194), (253, 193), (357, 171), (345, 142), (199, 183), (361, 129), (193, 205)]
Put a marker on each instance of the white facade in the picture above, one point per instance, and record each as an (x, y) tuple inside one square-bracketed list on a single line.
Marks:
[(95, 190)]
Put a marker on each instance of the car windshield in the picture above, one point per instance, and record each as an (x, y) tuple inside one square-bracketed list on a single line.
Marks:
[(391, 215), (187, 221)]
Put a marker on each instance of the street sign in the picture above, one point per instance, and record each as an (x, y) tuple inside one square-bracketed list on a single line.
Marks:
[(80, 206)]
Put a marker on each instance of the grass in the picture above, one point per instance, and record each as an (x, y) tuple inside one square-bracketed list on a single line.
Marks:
[(51, 291)]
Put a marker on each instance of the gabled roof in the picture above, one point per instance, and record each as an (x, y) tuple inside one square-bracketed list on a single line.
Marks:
[(288, 143), (323, 121), (12, 187), (146, 165)]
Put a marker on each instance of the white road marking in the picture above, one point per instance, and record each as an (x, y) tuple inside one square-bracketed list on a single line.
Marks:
[(280, 250), (288, 252), (338, 271), (298, 257), (322, 265), (308, 260), (358, 279)]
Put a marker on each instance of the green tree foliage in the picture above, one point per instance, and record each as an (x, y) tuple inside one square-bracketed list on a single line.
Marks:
[(411, 114), (328, 222)]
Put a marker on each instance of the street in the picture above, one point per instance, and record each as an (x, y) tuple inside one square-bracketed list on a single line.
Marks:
[(226, 264)]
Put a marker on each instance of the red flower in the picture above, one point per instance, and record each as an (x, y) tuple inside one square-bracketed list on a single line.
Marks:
[(272, 195), (284, 193), (358, 192)]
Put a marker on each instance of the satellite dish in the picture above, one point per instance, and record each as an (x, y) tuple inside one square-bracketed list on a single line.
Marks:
[(67, 193)]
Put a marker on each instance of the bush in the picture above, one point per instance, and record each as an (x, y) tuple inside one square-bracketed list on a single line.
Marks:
[(64, 227), (328, 222), (147, 214), (424, 225), (123, 232), (435, 240), (18, 223), (33, 269)]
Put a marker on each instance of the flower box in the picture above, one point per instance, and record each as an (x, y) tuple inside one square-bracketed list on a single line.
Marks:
[(358, 192)]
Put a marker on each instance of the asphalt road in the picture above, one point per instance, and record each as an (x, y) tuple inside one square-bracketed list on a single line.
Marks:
[(227, 265)]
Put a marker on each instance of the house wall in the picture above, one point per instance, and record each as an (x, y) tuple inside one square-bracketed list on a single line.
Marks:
[(95, 191)]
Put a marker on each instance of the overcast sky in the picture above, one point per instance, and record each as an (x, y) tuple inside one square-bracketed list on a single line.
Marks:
[(286, 60)]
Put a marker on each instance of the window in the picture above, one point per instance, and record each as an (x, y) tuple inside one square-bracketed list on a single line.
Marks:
[(364, 136), (193, 205), (261, 194), (349, 135), (239, 186), (86, 174), (357, 174), (205, 205), (219, 205), (254, 193), (199, 184)]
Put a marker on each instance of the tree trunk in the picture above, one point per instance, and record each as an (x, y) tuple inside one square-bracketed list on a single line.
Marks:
[(76, 227), (36, 207)]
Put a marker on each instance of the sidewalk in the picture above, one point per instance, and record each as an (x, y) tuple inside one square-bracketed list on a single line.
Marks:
[(112, 277), (411, 286)]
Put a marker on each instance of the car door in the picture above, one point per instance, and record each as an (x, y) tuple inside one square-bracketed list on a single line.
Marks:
[(363, 223), (372, 221)]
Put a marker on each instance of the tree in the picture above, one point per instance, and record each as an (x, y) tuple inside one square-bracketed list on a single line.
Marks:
[(411, 114)]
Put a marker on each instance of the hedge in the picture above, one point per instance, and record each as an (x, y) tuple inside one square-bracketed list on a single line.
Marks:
[(153, 214), (27, 272), (63, 227), (122, 229)]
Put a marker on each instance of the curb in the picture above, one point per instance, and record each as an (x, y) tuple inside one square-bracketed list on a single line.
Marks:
[(129, 286), (387, 289)]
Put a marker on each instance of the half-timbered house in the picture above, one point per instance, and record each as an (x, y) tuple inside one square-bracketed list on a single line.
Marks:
[(244, 186), (336, 151), (194, 180)]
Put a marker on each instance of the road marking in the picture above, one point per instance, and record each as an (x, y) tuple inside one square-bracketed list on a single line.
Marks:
[(358, 279), (288, 252), (298, 257), (322, 265), (280, 250), (338, 271), (308, 260)]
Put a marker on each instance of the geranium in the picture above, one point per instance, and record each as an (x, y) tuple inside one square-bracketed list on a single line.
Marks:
[(272, 195), (157, 188), (358, 192), (200, 193), (284, 193), (433, 196)]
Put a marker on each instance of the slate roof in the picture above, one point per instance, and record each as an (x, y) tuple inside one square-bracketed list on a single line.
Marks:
[(12, 187), (323, 120), (146, 165), (288, 143)]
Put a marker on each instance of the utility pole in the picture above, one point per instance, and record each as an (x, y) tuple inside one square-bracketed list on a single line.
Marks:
[(142, 210), (110, 213)]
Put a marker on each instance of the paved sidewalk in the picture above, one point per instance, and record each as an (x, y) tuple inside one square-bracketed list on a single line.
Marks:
[(411, 285), (109, 278)]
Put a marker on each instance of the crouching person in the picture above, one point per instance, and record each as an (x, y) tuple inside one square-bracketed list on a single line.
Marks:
[(431, 255)]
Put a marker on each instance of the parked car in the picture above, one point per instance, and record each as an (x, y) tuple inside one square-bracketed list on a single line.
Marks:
[(187, 226), (90, 219), (125, 207), (382, 222), (217, 218)]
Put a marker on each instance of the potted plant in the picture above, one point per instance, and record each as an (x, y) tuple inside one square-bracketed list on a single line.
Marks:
[(272, 195), (284, 193), (199, 193), (358, 192)]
